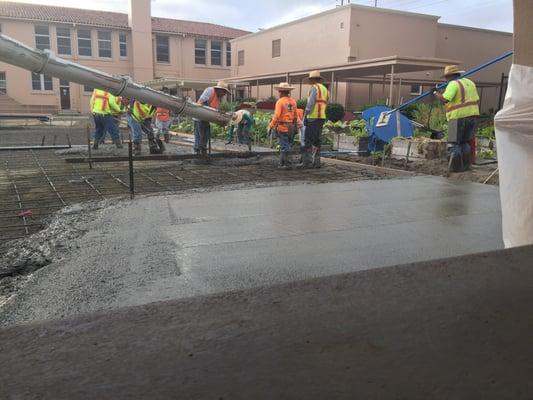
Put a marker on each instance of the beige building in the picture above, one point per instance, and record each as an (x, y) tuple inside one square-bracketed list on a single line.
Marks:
[(133, 44), (358, 48)]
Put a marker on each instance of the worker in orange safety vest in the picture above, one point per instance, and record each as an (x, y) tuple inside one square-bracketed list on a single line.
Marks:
[(211, 97), (162, 120), (285, 122)]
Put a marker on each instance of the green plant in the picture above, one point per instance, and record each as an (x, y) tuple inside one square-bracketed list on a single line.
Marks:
[(486, 154), (228, 106), (358, 128), (334, 112), (271, 98), (185, 125), (487, 132), (302, 103)]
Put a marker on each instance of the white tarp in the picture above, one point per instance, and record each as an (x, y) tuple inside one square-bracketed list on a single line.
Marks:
[(514, 138)]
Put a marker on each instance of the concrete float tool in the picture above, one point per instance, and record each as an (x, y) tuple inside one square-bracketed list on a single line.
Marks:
[(385, 116)]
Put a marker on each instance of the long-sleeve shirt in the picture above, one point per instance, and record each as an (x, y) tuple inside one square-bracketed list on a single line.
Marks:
[(311, 100)]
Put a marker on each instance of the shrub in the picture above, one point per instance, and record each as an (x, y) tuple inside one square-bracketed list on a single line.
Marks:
[(302, 103), (228, 106), (334, 112), (358, 128)]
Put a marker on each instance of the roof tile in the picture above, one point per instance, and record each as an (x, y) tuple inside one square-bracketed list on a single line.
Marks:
[(36, 12)]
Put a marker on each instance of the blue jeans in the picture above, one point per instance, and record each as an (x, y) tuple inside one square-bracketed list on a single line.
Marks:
[(202, 133), (284, 142), (136, 130), (162, 127), (104, 124)]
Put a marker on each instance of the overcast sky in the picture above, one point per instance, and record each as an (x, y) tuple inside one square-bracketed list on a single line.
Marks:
[(255, 14)]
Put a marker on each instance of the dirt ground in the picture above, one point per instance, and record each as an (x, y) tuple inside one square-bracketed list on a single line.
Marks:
[(478, 173)]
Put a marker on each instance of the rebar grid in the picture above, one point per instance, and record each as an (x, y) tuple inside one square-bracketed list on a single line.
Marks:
[(44, 183)]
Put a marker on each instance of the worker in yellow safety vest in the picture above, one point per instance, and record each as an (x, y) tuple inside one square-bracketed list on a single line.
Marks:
[(104, 107), (314, 119), (461, 102), (140, 120)]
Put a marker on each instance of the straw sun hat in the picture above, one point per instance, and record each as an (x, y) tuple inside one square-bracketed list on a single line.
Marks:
[(452, 70), (237, 117), (284, 87), (313, 75), (222, 85)]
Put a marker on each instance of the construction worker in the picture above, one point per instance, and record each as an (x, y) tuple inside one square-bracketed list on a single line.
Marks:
[(461, 101), (162, 120), (211, 97), (140, 121), (103, 107), (284, 122), (244, 121), (314, 119)]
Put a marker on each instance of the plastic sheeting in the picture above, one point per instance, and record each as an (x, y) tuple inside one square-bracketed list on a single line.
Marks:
[(514, 138)]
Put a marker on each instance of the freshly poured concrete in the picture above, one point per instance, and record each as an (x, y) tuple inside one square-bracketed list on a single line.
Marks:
[(452, 329), (169, 247)]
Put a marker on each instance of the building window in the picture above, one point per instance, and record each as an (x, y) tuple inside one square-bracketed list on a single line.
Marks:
[(41, 82), (416, 90), (87, 89), (216, 52), (123, 41), (228, 54), (162, 49), (104, 44), (276, 48), (200, 46), (240, 60), (84, 43), (3, 86), (42, 37), (64, 46)]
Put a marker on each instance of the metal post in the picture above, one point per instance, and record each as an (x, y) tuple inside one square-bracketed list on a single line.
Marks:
[(407, 155), (370, 92), (89, 146), (257, 97), (300, 89), (130, 162), (391, 89), (399, 101), (271, 90)]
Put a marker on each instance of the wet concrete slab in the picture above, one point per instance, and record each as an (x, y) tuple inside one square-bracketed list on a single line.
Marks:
[(232, 240), (176, 246), (450, 329)]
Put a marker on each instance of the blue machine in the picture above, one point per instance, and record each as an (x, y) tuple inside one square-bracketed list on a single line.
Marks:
[(378, 136)]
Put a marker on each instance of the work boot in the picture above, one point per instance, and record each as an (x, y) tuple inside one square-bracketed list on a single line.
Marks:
[(166, 137), (95, 145), (316, 158), (161, 145), (307, 161), (136, 149), (118, 144), (284, 162)]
